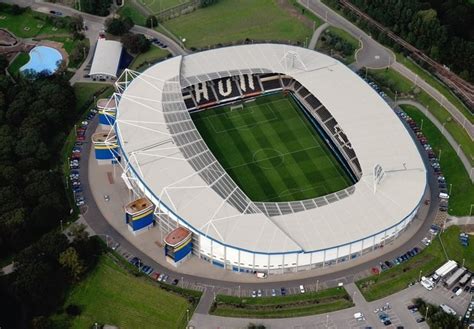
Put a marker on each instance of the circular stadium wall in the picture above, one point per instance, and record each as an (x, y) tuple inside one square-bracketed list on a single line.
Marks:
[(167, 161)]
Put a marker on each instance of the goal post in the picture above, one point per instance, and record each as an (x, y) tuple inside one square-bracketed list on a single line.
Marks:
[(236, 107)]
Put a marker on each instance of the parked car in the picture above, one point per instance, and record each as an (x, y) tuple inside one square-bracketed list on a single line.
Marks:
[(175, 282), (302, 289), (274, 293), (283, 291), (259, 293), (254, 294)]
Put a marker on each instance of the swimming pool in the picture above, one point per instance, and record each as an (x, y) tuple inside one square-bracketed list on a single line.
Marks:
[(43, 58)]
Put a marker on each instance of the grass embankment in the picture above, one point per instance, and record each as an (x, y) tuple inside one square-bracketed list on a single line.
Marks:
[(17, 63), (462, 191), (111, 295), (85, 93), (129, 9), (230, 21), (435, 83), (143, 61), (338, 43), (310, 303), (431, 258), (391, 81)]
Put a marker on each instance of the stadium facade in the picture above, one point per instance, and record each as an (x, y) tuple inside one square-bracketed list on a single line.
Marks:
[(165, 159)]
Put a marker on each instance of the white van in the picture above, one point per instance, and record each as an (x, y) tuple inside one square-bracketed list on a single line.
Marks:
[(359, 316), (427, 283), (443, 195), (302, 289)]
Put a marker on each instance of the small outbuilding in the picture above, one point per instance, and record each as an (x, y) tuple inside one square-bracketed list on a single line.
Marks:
[(105, 63)]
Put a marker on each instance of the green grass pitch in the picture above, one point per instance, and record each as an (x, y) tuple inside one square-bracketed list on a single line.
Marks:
[(271, 150)]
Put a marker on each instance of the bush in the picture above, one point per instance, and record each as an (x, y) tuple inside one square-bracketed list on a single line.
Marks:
[(135, 43), (118, 26), (73, 310), (151, 21)]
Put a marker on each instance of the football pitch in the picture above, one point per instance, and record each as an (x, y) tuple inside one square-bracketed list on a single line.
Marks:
[(271, 150)]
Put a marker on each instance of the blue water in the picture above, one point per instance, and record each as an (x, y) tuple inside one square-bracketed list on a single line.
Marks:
[(43, 58)]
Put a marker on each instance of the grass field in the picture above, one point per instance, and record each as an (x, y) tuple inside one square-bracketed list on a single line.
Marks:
[(111, 295), (143, 61), (129, 10), (462, 193), (156, 6), (435, 83), (392, 81), (310, 303), (271, 150), (432, 257), (235, 20), (29, 24)]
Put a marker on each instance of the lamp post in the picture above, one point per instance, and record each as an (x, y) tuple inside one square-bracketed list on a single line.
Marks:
[(470, 210), (187, 315), (426, 314), (419, 276), (439, 156), (421, 126), (317, 281), (442, 130), (450, 188)]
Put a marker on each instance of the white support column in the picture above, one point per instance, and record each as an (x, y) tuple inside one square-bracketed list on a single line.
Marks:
[(350, 252), (297, 261), (362, 248), (253, 263), (373, 244), (337, 255), (311, 260), (384, 238), (324, 259), (238, 266), (212, 251), (268, 264), (225, 257), (283, 264)]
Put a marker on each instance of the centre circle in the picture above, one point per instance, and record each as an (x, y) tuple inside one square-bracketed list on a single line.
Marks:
[(268, 158)]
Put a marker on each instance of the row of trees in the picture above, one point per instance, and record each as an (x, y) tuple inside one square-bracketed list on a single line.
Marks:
[(436, 317), (96, 7), (36, 114), (441, 29)]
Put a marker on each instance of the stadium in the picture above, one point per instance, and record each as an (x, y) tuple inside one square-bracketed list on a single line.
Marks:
[(277, 158)]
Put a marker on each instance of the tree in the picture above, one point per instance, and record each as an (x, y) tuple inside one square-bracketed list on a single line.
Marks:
[(78, 233), (118, 26), (76, 23), (135, 43), (151, 21), (79, 51), (69, 259)]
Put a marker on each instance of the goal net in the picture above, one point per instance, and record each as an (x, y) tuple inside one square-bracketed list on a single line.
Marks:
[(236, 107)]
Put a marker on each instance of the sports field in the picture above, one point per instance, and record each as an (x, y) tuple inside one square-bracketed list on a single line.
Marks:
[(271, 150)]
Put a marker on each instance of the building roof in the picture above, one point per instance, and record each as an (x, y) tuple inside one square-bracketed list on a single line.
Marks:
[(177, 236), (138, 206), (150, 143), (106, 58)]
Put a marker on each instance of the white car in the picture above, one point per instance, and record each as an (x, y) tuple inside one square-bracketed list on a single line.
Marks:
[(254, 294), (259, 293), (274, 293), (302, 289)]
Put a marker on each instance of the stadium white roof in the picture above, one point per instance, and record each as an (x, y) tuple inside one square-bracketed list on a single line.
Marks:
[(106, 58), (150, 139)]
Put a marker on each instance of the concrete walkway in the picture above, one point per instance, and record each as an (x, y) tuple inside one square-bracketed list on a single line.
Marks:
[(316, 35), (457, 147), (466, 220)]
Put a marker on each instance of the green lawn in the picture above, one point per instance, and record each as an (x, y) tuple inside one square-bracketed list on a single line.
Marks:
[(143, 61), (392, 81), (131, 11), (310, 303), (17, 63), (435, 83), (431, 258), (235, 20), (462, 192), (28, 25), (271, 150), (85, 92), (156, 6), (111, 295)]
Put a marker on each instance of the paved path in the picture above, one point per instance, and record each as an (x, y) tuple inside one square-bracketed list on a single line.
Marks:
[(466, 220), (374, 55), (316, 35), (457, 147)]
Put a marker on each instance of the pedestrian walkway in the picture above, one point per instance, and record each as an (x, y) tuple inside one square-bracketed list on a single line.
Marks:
[(457, 147), (316, 35)]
